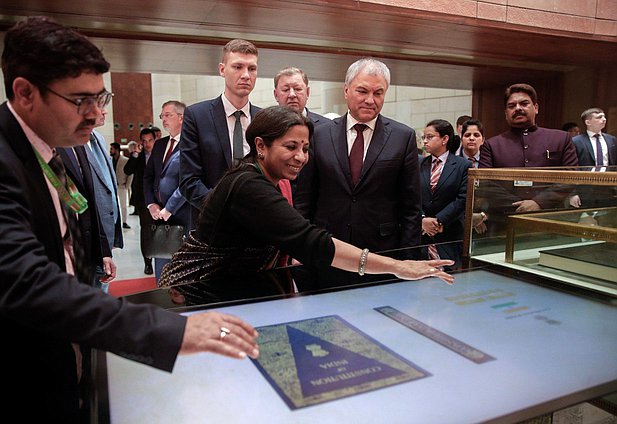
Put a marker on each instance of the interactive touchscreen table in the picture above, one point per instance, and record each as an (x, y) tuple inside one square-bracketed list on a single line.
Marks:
[(491, 348)]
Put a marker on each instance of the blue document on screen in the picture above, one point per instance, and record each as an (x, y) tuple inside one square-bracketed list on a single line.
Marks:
[(322, 359)]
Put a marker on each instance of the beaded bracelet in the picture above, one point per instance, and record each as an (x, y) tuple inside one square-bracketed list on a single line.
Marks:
[(362, 265)]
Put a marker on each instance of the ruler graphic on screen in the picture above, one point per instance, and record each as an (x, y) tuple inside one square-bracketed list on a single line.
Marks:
[(437, 336)]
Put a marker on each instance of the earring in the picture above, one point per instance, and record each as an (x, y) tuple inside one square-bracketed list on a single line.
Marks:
[(260, 155)]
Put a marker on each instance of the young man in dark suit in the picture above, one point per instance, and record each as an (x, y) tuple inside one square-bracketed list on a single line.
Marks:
[(136, 167), (213, 130), (54, 84), (366, 194), (597, 149), (586, 144)]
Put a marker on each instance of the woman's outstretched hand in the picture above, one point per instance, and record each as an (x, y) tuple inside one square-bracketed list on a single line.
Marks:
[(415, 270)]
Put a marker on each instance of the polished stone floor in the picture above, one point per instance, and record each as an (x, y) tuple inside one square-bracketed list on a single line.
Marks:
[(128, 260)]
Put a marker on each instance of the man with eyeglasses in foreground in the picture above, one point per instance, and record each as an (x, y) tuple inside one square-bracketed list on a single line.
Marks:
[(45, 311)]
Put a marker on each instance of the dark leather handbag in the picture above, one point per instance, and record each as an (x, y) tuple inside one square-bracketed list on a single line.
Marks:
[(162, 241)]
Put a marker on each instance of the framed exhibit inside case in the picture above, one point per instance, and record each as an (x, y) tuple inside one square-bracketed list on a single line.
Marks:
[(557, 223), (494, 347)]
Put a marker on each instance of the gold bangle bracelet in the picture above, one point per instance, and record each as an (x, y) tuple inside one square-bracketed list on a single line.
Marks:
[(362, 264)]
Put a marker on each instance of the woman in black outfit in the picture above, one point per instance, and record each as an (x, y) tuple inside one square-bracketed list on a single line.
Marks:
[(245, 223)]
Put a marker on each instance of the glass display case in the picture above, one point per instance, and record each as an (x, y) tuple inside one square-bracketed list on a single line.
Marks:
[(521, 335), (560, 224), (497, 346)]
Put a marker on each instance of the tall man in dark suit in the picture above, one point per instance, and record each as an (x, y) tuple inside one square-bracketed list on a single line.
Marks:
[(597, 149), (161, 182), (136, 167), (213, 130), (361, 182), (53, 78)]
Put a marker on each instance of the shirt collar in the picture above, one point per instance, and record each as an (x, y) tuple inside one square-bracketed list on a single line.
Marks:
[(230, 109), (476, 156), (591, 134), (37, 142), (522, 130), (351, 121), (443, 157)]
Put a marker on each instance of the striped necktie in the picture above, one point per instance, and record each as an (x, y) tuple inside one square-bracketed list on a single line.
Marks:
[(73, 234), (435, 173)]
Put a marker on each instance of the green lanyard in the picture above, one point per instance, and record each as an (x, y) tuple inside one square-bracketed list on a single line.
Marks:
[(71, 197)]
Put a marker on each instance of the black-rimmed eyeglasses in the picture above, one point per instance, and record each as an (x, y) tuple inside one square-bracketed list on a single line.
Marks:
[(85, 104)]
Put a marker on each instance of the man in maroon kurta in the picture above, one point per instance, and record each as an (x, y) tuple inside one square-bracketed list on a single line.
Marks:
[(527, 145)]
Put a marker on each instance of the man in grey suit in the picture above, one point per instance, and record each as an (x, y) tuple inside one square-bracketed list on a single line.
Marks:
[(213, 130), (362, 182), (105, 193)]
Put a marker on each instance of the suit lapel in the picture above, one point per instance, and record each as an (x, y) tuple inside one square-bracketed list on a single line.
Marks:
[(338, 136), (425, 171), (612, 150), (217, 113), (448, 169), (171, 158), (377, 144), (95, 144), (42, 207), (589, 149)]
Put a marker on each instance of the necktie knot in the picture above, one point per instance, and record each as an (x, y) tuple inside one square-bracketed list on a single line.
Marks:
[(360, 128)]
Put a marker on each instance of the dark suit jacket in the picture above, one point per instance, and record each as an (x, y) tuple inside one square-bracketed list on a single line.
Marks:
[(92, 234), (161, 183), (447, 202), (382, 211), (44, 309), (316, 118), (584, 149), (595, 196), (136, 167), (205, 149)]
